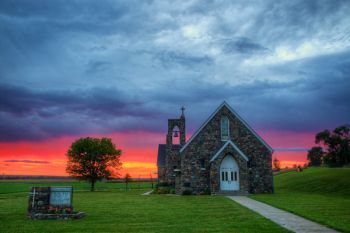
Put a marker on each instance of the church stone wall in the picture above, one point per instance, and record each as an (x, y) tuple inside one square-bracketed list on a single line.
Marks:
[(172, 160), (208, 141), (161, 174)]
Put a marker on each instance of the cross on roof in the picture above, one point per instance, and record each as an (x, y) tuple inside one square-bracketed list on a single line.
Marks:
[(182, 110)]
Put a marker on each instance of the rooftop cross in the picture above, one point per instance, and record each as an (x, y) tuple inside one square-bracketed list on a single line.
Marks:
[(182, 111)]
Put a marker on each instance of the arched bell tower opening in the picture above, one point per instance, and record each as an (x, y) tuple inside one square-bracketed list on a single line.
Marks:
[(175, 139), (176, 136), (177, 129)]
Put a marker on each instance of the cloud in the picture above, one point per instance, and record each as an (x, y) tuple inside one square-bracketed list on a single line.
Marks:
[(291, 149), (98, 66), (168, 58), (26, 161), (244, 46), (72, 69)]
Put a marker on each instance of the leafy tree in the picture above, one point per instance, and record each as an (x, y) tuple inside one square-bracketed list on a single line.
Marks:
[(276, 164), (337, 145), (315, 155), (127, 179), (93, 159)]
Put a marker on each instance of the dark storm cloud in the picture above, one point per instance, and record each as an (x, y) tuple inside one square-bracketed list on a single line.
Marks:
[(169, 58), (318, 101), (291, 149), (26, 161), (20, 101), (103, 66), (97, 66), (243, 45), (35, 115)]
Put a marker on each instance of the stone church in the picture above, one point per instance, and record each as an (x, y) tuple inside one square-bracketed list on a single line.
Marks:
[(225, 155)]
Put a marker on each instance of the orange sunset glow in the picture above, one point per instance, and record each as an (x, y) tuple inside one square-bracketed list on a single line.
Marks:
[(139, 153)]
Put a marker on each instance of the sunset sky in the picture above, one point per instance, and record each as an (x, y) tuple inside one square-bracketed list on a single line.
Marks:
[(120, 69)]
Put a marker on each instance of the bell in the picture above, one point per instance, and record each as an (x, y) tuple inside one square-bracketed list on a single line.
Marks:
[(176, 134)]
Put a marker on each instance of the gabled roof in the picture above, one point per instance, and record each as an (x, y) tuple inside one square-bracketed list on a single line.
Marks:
[(161, 155), (237, 116), (229, 142)]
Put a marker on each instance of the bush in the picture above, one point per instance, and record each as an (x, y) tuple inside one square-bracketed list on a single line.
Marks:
[(163, 190), (205, 192), (187, 192), (162, 184)]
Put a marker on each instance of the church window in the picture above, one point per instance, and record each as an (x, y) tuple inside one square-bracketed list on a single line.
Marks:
[(235, 175), (226, 176), (193, 172), (222, 176), (202, 163), (231, 176), (224, 128)]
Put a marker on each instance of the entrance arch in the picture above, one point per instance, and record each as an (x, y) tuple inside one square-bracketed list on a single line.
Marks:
[(229, 174)]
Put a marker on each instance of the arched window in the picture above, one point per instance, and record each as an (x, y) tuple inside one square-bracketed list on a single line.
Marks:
[(224, 128)]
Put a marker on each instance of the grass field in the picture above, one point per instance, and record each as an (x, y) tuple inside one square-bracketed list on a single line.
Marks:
[(120, 211), (12, 186), (319, 194)]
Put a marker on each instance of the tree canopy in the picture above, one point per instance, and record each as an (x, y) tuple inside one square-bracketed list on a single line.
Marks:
[(335, 145), (93, 159), (315, 155)]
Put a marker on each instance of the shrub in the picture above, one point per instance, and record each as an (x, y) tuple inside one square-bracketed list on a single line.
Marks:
[(187, 192), (206, 192), (162, 184), (163, 190)]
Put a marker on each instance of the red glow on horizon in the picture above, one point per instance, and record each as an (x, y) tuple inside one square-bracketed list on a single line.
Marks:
[(49, 157), (139, 152)]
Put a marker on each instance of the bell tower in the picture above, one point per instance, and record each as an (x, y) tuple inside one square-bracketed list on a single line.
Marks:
[(176, 128)]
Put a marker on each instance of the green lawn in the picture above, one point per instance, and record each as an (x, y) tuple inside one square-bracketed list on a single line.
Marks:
[(120, 211), (12, 186), (319, 194)]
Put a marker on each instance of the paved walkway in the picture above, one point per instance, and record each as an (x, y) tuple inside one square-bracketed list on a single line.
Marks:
[(147, 193), (285, 219)]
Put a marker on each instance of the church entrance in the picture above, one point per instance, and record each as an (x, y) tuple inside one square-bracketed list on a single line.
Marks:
[(229, 174)]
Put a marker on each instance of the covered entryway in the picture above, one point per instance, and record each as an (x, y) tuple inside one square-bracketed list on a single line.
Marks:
[(229, 174)]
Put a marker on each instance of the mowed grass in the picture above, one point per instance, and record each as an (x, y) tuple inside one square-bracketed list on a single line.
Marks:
[(12, 186), (319, 194), (120, 211)]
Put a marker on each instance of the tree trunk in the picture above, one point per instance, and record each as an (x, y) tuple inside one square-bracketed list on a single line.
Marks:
[(92, 185)]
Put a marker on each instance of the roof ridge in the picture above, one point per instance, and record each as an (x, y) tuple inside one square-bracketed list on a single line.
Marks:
[(224, 103)]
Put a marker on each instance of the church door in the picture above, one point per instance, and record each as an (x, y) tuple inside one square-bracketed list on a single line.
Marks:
[(229, 174)]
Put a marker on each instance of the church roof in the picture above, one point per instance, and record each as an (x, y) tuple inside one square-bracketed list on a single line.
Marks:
[(229, 142), (236, 115), (161, 155)]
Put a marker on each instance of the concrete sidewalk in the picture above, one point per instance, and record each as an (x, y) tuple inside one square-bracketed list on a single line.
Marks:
[(285, 219), (147, 193)]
